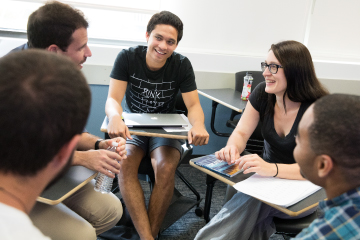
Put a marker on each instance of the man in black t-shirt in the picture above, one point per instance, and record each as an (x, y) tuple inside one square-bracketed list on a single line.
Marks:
[(150, 78)]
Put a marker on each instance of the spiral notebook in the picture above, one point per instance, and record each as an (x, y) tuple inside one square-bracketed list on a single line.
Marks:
[(219, 166)]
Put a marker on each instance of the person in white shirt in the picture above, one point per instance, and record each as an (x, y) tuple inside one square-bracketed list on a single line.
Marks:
[(44, 105), (61, 29)]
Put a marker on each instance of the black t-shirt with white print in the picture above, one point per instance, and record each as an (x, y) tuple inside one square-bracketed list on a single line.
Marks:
[(152, 91)]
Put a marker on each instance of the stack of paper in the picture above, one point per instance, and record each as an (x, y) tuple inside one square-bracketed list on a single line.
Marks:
[(282, 192)]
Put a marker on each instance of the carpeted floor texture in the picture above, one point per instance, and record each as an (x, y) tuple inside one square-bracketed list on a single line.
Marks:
[(187, 226)]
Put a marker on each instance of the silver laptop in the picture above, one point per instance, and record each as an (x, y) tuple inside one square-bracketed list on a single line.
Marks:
[(154, 120)]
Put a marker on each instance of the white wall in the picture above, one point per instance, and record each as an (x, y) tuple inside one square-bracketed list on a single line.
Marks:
[(335, 31), (238, 27), (234, 35), (248, 27)]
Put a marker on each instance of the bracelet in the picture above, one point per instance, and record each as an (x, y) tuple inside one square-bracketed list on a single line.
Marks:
[(97, 143), (277, 170)]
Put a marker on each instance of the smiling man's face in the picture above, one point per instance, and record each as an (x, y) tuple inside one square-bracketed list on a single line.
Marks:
[(303, 154), (161, 44), (78, 50)]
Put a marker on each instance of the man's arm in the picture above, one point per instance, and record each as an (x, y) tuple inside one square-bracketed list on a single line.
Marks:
[(197, 134), (113, 109), (87, 141), (99, 160)]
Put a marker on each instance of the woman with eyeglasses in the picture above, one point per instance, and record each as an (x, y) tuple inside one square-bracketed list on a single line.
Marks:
[(279, 102)]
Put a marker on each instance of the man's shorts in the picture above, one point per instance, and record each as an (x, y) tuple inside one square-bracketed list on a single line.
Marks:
[(149, 144)]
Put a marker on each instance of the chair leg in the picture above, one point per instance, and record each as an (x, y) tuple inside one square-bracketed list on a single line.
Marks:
[(181, 176), (212, 121), (210, 181), (151, 183), (115, 187)]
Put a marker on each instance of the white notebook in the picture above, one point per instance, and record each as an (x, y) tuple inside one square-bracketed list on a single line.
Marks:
[(282, 192)]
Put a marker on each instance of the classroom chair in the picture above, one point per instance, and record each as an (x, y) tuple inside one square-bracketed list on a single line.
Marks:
[(239, 82)]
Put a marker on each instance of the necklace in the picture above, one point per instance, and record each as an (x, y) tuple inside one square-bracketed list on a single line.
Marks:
[(14, 197)]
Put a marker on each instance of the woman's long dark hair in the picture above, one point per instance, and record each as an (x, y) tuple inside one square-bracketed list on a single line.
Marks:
[(302, 83)]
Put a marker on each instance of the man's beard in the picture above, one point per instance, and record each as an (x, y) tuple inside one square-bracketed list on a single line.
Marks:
[(62, 172)]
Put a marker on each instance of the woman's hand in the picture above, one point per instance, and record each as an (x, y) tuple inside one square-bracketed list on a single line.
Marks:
[(230, 154), (117, 128), (253, 163)]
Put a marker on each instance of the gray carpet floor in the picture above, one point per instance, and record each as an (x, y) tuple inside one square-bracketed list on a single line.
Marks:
[(187, 226)]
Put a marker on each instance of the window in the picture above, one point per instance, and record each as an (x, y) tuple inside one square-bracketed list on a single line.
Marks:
[(110, 20)]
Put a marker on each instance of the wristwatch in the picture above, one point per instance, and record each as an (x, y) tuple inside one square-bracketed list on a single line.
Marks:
[(97, 143)]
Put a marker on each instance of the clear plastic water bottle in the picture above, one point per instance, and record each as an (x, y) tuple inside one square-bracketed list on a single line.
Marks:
[(104, 183), (248, 79)]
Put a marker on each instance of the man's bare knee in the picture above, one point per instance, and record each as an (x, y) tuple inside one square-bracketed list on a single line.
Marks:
[(130, 165)]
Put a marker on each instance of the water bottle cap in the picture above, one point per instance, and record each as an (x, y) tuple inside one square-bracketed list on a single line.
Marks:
[(115, 144)]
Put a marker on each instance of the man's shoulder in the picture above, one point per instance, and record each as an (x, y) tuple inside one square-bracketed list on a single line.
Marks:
[(11, 219), (136, 50), (179, 57), (133, 53), (20, 48), (347, 204), (340, 214), (177, 60)]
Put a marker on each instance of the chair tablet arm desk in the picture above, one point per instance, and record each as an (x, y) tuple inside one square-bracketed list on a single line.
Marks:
[(74, 179)]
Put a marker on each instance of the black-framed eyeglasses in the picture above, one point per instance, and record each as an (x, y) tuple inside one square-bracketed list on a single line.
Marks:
[(273, 68)]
